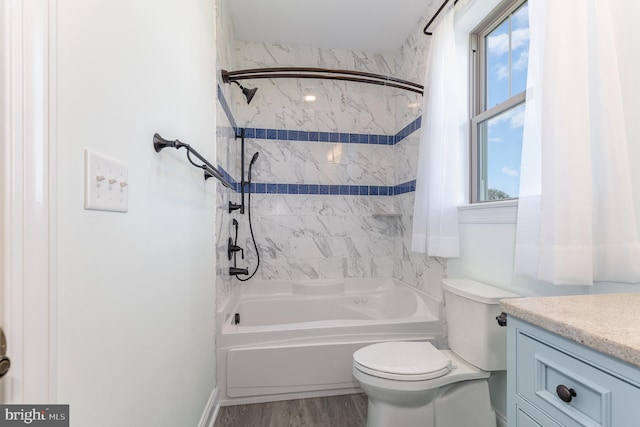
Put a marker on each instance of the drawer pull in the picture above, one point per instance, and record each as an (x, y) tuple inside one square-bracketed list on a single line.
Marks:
[(502, 319), (565, 394)]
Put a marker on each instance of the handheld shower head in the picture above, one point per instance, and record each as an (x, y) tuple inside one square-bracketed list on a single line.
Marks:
[(253, 160)]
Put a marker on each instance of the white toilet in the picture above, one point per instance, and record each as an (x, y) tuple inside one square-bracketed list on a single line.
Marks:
[(413, 384)]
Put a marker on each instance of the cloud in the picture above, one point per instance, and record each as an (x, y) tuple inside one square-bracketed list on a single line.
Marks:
[(502, 72), (522, 62), (514, 115), (499, 43), (521, 17), (510, 171), (495, 139), (519, 38), (517, 120)]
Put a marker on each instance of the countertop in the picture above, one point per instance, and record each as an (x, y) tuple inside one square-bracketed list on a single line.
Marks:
[(608, 323)]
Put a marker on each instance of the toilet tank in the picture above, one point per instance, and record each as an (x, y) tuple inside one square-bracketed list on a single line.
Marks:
[(474, 334)]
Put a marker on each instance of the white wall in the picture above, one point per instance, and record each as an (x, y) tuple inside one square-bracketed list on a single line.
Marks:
[(136, 291)]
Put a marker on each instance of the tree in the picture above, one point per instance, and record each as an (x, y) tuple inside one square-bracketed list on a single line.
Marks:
[(495, 194)]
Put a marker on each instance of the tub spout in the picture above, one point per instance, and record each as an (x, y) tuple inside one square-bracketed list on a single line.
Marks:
[(234, 271)]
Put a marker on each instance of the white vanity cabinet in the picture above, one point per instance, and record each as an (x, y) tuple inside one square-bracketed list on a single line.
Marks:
[(554, 381)]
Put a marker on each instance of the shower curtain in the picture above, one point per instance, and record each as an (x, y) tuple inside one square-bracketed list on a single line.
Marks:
[(577, 221), (441, 181)]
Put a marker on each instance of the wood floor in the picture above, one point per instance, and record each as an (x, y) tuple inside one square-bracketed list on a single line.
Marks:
[(344, 411)]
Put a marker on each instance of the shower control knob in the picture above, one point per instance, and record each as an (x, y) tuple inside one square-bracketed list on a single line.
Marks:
[(233, 248), (565, 394)]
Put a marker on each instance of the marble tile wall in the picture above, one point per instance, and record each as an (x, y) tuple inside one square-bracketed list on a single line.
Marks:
[(339, 106), (419, 270), (322, 163), (301, 235), (322, 237)]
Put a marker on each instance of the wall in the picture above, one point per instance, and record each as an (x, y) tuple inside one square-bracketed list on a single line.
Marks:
[(136, 290)]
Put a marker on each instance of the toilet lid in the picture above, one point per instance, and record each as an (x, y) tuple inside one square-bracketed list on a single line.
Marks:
[(409, 361)]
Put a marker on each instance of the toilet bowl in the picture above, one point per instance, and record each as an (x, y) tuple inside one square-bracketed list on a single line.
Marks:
[(410, 384)]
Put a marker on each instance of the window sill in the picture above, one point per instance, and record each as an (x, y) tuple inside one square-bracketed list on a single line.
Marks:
[(504, 212)]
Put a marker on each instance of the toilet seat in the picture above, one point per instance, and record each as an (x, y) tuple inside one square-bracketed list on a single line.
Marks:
[(402, 361)]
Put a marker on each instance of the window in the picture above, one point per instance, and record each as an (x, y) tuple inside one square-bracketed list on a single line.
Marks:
[(500, 51)]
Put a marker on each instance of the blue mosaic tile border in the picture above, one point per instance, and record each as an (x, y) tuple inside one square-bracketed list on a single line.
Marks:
[(322, 189), (312, 136), (336, 137), (408, 130)]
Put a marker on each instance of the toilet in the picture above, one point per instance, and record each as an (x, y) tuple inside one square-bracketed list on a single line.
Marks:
[(413, 384)]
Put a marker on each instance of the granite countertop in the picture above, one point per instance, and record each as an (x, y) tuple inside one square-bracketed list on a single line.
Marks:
[(608, 323)]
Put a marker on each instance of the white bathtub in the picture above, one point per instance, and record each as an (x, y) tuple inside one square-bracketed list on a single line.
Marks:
[(296, 338)]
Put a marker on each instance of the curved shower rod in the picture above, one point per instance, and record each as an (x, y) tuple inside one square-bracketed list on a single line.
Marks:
[(433, 18), (320, 73)]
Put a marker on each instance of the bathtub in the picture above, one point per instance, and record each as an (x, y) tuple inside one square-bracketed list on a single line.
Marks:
[(295, 339)]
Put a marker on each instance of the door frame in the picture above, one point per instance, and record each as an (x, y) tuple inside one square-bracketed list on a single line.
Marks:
[(28, 198)]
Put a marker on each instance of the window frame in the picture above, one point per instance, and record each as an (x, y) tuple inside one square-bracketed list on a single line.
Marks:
[(478, 92)]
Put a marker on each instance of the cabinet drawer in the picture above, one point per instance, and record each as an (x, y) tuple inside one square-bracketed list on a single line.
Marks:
[(529, 417), (540, 369)]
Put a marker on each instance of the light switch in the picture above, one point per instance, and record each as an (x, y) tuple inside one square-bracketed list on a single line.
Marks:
[(106, 183)]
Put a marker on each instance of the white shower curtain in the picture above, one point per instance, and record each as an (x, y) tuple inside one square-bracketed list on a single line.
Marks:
[(441, 179), (576, 216)]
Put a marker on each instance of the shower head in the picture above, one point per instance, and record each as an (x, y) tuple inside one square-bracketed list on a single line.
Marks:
[(248, 93), (253, 160)]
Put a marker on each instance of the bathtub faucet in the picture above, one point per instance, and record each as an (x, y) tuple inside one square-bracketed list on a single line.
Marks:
[(234, 271)]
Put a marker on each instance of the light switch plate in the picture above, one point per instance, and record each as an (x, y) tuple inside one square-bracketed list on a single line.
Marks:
[(106, 183)]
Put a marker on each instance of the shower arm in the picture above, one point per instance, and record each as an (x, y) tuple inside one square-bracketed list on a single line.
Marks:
[(159, 143)]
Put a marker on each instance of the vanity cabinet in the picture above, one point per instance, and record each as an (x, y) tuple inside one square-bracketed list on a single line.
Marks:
[(554, 381)]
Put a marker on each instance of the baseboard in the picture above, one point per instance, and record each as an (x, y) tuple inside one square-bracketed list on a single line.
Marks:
[(211, 411), (501, 420)]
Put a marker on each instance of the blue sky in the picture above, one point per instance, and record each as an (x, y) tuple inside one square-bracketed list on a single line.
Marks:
[(507, 49)]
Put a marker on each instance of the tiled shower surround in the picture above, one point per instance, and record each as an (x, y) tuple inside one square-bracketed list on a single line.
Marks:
[(333, 184)]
